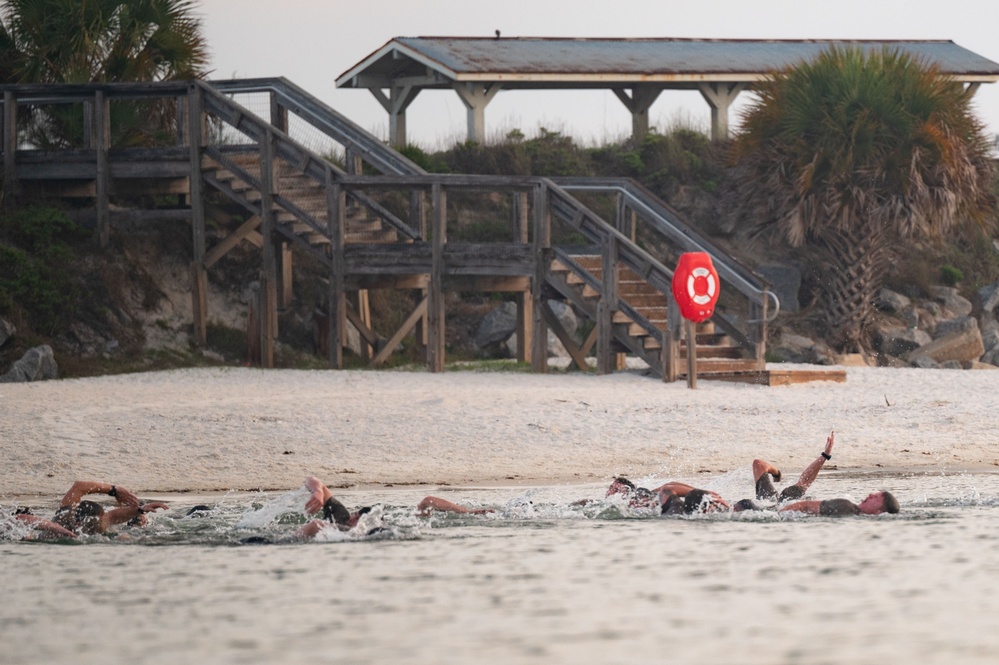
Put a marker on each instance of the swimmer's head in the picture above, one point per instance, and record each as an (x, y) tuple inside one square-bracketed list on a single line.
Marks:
[(620, 485), (879, 502), (83, 518)]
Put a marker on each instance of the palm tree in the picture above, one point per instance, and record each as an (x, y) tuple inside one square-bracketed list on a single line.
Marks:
[(97, 41), (853, 154)]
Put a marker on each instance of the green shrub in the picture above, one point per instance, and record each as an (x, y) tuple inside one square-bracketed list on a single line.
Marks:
[(950, 276)]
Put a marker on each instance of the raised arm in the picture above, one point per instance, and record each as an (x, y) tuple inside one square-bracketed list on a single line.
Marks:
[(320, 494), (82, 488), (812, 470)]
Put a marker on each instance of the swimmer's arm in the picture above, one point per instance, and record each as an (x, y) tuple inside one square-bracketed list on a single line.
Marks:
[(432, 503), (762, 467), (311, 529), (45, 525), (810, 507), (81, 488), (683, 489), (320, 494), (124, 514)]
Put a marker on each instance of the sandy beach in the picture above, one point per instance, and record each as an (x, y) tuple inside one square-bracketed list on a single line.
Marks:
[(206, 430)]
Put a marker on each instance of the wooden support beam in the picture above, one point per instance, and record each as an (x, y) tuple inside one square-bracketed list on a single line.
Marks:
[(520, 214), (541, 253), (102, 136), (607, 305), (368, 336), (244, 232), (575, 353), (415, 316), (336, 209), (691, 335), (11, 186), (364, 315), (435, 297), (286, 295), (199, 266), (670, 352), (268, 281)]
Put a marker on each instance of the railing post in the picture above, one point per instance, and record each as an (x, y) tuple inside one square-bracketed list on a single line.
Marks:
[(103, 176), (607, 305), (542, 256), (758, 331), (519, 213), (199, 274), (336, 207), (435, 298), (624, 217), (11, 186)]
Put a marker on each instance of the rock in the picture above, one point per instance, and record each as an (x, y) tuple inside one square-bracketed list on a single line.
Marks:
[(959, 346), (989, 295), (497, 325), (7, 330), (852, 360), (948, 326), (924, 362), (899, 341), (784, 282), (565, 316), (38, 364), (974, 364), (951, 364), (951, 300), (889, 301), (791, 348)]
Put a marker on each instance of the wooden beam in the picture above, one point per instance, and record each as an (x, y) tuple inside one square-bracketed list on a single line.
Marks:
[(570, 345), (415, 317), (368, 336), (11, 187), (245, 230), (199, 266), (541, 255), (102, 135), (435, 297), (606, 362), (268, 281), (336, 211)]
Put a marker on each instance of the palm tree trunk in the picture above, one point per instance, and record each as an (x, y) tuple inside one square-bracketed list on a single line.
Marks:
[(854, 268)]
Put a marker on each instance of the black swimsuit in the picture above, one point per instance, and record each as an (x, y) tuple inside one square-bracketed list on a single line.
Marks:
[(838, 508), (765, 490)]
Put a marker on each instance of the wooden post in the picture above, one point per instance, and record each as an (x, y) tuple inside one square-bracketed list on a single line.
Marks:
[(542, 250), (671, 341), (11, 186), (691, 331), (758, 332), (286, 295), (199, 274), (607, 306), (418, 221), (519, 212), (268, 281), (279, 114), (435, 298), (102, 132), (336, 208)]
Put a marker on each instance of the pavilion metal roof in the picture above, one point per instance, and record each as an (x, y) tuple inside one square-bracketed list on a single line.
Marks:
[(569, 62)]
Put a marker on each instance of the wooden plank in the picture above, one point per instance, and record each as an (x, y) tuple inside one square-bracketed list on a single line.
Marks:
[(336, 206), (435, 303), (541, 256), (102, 139), (410, 322), (570, 345), (607, 306), (195, 183)]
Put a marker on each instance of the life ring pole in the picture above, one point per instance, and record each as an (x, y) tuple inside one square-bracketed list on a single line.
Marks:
[(691, 332)]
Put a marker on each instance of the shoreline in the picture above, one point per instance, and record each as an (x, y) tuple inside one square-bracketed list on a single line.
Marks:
[(209, 430)]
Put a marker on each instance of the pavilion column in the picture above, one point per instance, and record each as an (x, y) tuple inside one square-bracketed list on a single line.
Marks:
[(396, 103), (476, 97), (642, 97), (719, 97)]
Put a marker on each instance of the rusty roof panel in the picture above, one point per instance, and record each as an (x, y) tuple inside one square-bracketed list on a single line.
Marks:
[(668, 57)]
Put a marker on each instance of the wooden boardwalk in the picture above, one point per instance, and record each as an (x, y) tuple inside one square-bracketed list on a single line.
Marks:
[(377, 221)]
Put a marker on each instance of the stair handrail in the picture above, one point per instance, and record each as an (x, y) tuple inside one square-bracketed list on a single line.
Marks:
[(321, 116)]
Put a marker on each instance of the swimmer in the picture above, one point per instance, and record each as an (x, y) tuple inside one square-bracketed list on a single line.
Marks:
[(669, 498), (334, 512), (80, 516), (763, 471), (876, 503), (25, 516)]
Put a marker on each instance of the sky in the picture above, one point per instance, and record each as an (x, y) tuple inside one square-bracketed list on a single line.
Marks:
[(312, 42)]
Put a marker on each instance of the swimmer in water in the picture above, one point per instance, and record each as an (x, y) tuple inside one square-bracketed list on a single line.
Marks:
[(335, 514), (79, 516), (876, 503), (763, 472), (669, 498), (431, 503)]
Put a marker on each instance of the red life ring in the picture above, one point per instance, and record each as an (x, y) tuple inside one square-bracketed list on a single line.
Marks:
[(696, 286)]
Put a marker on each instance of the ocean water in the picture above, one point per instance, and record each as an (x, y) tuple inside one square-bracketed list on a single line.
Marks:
[(538, 581)]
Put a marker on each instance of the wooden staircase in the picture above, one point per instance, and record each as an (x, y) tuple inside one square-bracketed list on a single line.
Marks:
[(300, 204), (641, 330)]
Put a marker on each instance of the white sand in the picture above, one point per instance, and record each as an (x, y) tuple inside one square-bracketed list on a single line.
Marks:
[(222, 429)]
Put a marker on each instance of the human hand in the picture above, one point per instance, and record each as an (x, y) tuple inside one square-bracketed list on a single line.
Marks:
[(125, 497), (153, 506), (829, 442)]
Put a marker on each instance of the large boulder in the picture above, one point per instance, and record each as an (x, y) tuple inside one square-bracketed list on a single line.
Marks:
[(989, 295), (960, 346), (497, 325), (890, 301), (951, 300), (791, 348), (38, 364), (566, 317), (898, 341), (960, 324)]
